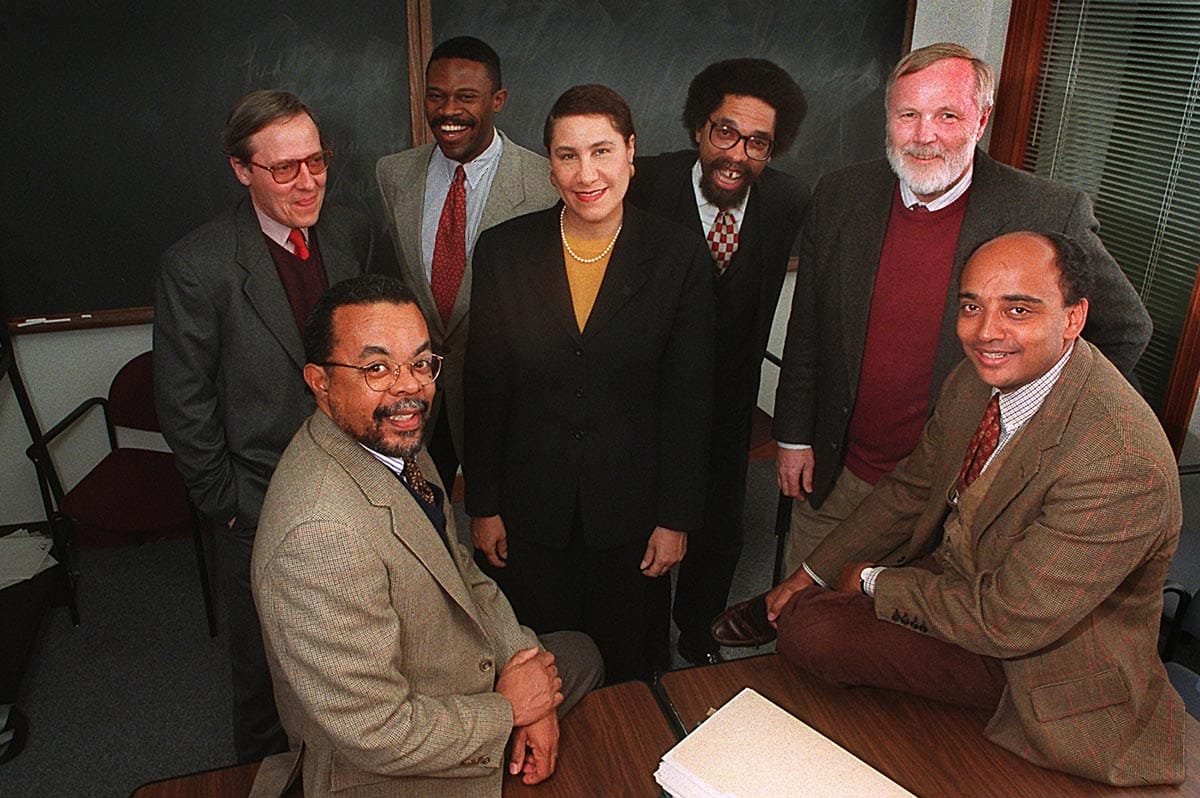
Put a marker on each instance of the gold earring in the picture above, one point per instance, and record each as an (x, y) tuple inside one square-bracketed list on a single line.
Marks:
[(632, 169)]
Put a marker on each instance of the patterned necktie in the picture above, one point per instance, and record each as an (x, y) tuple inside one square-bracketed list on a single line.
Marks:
[(416, 480), (450, 247), (983, 443), (300, 247), (723, 241)]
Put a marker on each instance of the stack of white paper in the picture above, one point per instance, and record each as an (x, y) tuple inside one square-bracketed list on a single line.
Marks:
[(23, 556), (753, 749)]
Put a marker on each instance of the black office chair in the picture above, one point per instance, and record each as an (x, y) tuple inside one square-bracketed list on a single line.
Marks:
[(132, 491)]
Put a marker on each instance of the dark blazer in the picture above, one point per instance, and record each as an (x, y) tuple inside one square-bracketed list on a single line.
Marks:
[(1059, 574), (228, 355), (840, 247), (615, 418), (748, 292)]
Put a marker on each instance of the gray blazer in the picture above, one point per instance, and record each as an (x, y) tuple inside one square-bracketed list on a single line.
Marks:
[(840, 246), (384, 643), (521, 185), (228, 355)]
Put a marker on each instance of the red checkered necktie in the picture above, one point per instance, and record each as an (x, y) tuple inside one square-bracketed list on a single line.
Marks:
[(450, 247), (723, 241), (983, 443), (300, 247)]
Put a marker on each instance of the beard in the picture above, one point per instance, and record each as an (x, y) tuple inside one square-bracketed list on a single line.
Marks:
[(402, 444), (935, 178), (724, 198)]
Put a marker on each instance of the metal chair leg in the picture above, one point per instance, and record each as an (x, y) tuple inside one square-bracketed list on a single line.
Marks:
[(783, 521)]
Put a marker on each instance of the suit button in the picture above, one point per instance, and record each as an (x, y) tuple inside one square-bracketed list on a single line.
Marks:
[(485, 760), (578, 435), (578, 393), (578, 353), (485, 665)]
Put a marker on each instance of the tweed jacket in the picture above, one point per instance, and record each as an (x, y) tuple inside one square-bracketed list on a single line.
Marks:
[(384, 643), (521, 185), (840, 246), (1061, 573), (228, 356), (748, 291), (615, 418)]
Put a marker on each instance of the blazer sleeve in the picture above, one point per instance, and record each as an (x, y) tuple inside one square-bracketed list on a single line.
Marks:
[(341, 657), (1117, 323), (507, 633), (795, 395), (685, 398), (187, 353), (1099, 521)]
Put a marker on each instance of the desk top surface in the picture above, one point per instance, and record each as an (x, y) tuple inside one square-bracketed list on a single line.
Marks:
[(929, 748)]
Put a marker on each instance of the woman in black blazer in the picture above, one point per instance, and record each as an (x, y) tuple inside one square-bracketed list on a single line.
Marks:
[(588, 396)]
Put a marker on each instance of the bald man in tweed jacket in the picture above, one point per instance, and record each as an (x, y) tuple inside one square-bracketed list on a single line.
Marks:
[(1035, 590)]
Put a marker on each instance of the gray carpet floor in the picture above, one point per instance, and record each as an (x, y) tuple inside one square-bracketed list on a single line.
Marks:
[(139, 692)]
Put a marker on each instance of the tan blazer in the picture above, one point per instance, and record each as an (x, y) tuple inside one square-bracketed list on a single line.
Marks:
[(1062, 574), (383, 643), (521, 185)]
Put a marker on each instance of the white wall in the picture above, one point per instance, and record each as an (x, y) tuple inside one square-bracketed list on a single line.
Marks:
[(63, 368)]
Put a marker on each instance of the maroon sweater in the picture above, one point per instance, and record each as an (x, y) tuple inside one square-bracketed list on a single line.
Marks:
[(303, 280), (892, 402)]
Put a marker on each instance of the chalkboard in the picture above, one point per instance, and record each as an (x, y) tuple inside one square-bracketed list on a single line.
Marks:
[(112, 113), (113, 110), (839, 51)]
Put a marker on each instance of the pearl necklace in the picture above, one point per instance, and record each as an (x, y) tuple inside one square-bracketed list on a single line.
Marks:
[(566, 244)]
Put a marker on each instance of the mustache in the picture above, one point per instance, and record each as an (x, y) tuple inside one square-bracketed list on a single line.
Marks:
[(401, 406), (925, 152), (453, 120), (723, 162)]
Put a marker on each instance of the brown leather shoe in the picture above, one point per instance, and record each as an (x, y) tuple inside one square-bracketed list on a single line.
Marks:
[(744, 624)]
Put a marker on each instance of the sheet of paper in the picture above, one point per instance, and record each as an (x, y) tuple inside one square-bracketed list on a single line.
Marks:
[(23, 556), (753, 749)]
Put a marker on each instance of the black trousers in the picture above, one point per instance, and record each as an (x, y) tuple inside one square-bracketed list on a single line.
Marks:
[(706, 573), (601, 593), (257, 732)]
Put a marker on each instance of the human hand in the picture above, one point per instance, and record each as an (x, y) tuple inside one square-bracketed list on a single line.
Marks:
[(490, 537), (782, 593), (535, 750), (794, 471), (665, 548), (850, 579), (531, 684)]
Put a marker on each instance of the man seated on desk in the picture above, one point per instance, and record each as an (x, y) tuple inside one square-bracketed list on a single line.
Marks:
[(1026, 576), (396, 662)]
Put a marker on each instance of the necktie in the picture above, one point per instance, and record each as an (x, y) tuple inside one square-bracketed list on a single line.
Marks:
[(723, 241), (983, 443), (297, 239), (416, 480), (450, 246)]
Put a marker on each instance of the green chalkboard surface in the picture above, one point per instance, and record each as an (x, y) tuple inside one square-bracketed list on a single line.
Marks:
[(112, 117)]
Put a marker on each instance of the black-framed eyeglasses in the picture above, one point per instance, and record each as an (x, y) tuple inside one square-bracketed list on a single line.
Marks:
[(726, 137), (287, 171), (382, 375)]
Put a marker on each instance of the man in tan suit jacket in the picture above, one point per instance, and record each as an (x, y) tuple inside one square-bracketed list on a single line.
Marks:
[(1034, 590), (398, 667)]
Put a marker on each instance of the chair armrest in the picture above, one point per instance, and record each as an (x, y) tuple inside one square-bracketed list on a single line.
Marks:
[(1174, 622), (65, 424)]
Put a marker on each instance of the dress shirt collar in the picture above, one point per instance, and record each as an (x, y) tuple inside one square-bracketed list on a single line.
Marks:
[(708, 211), (475, 168), (1018, 405), (957, 190), (394, 464), (277, 232)]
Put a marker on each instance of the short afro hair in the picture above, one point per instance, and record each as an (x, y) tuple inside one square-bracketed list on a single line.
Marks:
[(366, 289), (469, 48), (747, 77)]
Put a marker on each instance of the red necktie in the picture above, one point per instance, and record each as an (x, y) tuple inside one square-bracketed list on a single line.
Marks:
[(297, 239), (450, 247), (983, 443), (723, 241)]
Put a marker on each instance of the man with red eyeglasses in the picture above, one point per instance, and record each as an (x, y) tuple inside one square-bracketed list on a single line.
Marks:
[(231, 302)]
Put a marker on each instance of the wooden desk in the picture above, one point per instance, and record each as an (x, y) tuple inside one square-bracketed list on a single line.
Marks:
[(929, 748), (610, 744)]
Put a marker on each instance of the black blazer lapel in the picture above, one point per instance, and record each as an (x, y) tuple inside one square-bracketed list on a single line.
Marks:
[(548, 274), (626, 270)]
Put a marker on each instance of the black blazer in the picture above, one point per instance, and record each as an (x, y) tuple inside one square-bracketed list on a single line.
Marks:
[(840, 247), (748, 292), (614, 419)]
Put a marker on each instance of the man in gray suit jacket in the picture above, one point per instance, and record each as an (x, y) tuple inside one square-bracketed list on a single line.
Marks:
[(232, 297), (399, 667), (871, 334), (500, 180)]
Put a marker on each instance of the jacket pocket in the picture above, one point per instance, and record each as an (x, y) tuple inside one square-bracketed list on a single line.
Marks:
[(1080, 694)]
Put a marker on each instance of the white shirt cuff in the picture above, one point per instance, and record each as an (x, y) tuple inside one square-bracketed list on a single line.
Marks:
[(783, 445), (815, 578), (869, 575)]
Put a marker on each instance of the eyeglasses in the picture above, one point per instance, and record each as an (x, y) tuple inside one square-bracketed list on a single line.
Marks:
[(725, 137), (287, 171), (382, 375)]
